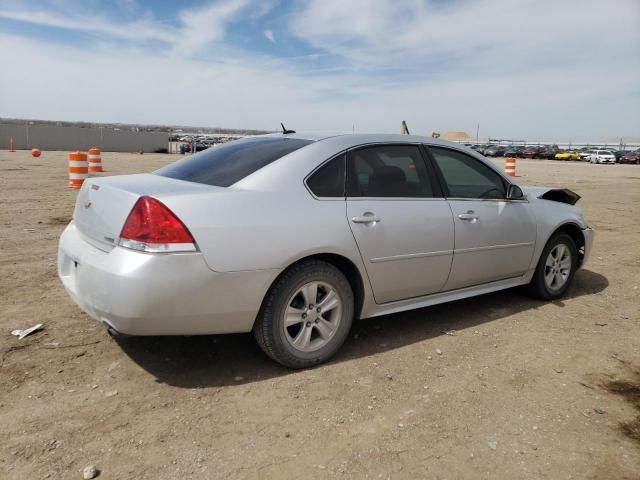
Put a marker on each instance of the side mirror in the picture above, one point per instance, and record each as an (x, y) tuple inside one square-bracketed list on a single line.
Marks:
[(515, 193)]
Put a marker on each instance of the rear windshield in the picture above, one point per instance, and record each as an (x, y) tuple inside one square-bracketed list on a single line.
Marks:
[(226, 164)]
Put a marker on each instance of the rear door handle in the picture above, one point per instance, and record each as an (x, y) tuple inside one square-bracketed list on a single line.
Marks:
[(367, 217), (470, 216)]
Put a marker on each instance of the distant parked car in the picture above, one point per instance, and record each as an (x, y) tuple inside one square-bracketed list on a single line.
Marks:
[(549, 153), (585, 155), (483, 148), (621, 153), (495, 151), (633, 157), (602, 156), (568, 155), (514, 151), (533, 152)]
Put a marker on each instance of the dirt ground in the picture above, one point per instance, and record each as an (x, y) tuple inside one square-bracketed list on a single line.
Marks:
[(521, 389)]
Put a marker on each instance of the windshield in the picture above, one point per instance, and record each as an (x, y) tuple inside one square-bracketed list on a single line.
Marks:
[(227, 164)]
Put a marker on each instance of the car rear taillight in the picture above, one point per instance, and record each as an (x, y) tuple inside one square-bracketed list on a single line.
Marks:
[(152, 227)]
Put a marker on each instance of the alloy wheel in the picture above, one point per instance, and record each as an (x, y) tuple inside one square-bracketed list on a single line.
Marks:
[(557, 267), (312, 316)]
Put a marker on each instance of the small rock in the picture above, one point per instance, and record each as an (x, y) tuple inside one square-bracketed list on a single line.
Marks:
[(558, 370), (439, 375), (111, 393), (535, 428), (287, 435), (370, 407), (438, 351), (493, 445), (401, 425), (389, 377), (599, 411), (238, 378), (90, 472), (601, 324), (429, 357)]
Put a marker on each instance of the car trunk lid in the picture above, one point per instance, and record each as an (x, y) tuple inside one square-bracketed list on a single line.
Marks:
[(103, 204)]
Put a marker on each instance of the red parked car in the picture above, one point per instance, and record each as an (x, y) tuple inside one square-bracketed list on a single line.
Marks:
[(633, 157), (533, 152)]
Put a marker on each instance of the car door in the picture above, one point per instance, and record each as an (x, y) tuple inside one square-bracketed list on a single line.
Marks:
[(401, 223), (494, 237)]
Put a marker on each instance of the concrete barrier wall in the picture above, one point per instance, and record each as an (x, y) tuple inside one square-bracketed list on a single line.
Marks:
[(52, 137)]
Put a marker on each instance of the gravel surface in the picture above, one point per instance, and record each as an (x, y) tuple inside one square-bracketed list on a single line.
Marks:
[(499, 386)]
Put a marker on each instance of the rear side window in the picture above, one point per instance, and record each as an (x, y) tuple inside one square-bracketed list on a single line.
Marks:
[(328, 180), (388, 171), (227, 164), (467, 177)]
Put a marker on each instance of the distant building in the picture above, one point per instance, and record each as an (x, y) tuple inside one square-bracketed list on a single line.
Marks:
[(456, 136)]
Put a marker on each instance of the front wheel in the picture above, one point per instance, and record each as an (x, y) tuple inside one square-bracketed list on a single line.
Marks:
[(306, 315), (556, 268)]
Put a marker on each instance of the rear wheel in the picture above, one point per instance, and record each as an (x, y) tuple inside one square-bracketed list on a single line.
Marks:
[(306, 315), (556, 268)]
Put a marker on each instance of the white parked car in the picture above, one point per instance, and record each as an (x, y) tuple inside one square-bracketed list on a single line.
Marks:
[(585, 155), (602, 156), (293, 237)]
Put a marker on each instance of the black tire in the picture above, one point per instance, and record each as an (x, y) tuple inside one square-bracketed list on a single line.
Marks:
[(269, 330), (538, 288)]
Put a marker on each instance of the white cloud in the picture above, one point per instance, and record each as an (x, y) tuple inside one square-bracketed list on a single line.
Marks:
[(197, 29), (269, 35), (207, 24), (385, 31), (523, 69), (139, 30)]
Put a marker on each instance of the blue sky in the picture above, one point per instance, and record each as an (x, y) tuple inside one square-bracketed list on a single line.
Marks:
[(524, 69)]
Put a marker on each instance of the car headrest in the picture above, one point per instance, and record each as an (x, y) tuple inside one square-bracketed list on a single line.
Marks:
[(388, 181)]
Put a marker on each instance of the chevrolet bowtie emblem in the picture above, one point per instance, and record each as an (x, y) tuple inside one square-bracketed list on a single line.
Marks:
[(87, 205)]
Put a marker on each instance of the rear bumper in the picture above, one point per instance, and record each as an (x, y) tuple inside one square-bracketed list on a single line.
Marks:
[(158, 294)]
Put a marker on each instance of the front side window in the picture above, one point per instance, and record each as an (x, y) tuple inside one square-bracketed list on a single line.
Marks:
[(467, 177), (328, 180), (388, 171)]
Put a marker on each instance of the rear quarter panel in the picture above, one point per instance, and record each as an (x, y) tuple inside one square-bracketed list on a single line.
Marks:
[(239, 230)]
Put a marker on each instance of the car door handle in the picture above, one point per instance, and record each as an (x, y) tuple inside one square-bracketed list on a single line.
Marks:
[(367, 217), (470, 216)]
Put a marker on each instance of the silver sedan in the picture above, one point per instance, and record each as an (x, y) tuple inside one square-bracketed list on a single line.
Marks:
[(293, 237)]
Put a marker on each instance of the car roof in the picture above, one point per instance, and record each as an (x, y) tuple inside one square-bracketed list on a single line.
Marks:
[(277, 175), (349, 140)]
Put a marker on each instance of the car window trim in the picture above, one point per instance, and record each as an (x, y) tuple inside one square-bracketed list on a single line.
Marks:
[(438, 193), (445, 188)]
